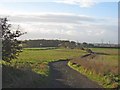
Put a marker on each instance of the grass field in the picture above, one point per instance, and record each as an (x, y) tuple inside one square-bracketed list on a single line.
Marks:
[(36, 60), (40, 57), (103, 68)]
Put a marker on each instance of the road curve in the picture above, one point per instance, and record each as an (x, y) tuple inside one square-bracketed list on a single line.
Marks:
[(62, 76)]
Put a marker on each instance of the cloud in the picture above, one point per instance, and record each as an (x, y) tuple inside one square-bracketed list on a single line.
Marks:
[(65, 26), (4, 11), (53, 18), (81, 3), (84, 3)]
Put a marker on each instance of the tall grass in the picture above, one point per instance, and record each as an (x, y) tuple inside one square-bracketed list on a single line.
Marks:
[(103, 67)]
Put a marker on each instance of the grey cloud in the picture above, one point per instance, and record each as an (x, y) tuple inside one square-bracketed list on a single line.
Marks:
[(52, 18), (89, 33), (72, 27)]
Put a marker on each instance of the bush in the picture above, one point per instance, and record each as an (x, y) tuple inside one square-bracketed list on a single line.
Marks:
[(11, 47)]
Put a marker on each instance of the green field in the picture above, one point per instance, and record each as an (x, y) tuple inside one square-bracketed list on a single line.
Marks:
[(103, 68), (41, 57), (36, 61)]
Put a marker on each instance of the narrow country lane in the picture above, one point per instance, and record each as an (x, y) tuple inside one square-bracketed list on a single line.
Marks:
[(62, 76)]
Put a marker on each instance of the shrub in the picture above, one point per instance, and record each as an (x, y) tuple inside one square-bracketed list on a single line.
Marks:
[(11, 47)]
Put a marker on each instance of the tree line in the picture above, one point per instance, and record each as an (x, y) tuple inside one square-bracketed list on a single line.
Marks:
[(54, 43)]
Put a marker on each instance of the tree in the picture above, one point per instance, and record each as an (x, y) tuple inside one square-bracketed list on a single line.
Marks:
[(85, 44), (91, 45), (72, 44), (11, 47)]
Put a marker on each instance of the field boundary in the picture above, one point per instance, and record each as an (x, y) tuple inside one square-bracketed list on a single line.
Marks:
[(101, 80)]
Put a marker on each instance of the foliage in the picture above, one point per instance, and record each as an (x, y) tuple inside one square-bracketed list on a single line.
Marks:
[(107, 81), (10, 45), (55, 43), (103, 68)]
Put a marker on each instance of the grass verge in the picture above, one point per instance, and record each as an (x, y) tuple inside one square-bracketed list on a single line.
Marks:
[(104, 81)]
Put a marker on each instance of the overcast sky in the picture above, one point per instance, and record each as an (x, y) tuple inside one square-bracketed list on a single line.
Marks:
[(79, 20)]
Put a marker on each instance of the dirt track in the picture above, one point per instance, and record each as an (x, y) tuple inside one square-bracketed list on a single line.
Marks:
[(62, 76)]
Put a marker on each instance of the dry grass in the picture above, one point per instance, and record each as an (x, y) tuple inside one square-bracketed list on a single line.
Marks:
[(98, 65), (103, 65)]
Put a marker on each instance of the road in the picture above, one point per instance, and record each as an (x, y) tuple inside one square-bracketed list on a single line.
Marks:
[(62, 76)]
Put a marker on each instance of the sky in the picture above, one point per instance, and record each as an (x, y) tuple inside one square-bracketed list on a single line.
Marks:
[(92, 21)]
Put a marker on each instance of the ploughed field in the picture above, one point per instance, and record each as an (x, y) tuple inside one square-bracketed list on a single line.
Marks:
[(32, 70)]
